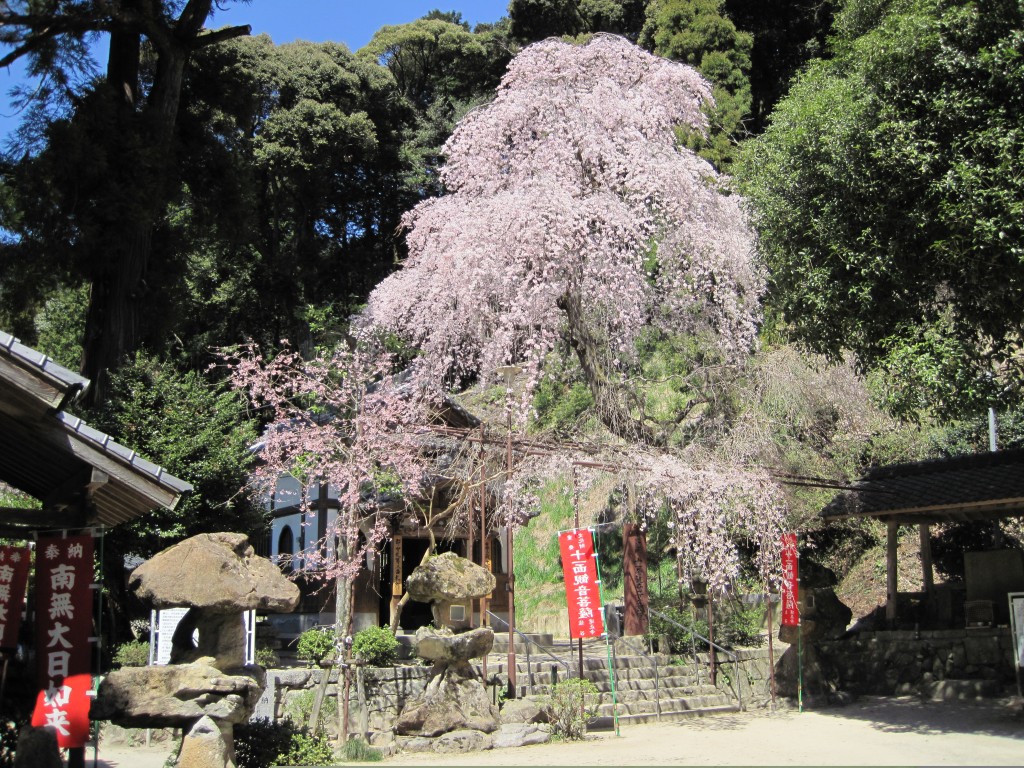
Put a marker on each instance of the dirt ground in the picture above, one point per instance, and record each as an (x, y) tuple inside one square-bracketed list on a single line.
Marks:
[(871, 731)]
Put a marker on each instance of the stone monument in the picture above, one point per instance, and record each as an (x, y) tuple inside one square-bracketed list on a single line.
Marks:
[(207, 688), (446, 581), (455, 698)]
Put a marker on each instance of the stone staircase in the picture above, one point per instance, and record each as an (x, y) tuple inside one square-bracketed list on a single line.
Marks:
[(648, 687)]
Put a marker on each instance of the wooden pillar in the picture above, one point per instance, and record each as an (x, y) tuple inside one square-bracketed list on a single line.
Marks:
[(396, 574), (890, 570), (635, 579), (924, 531)]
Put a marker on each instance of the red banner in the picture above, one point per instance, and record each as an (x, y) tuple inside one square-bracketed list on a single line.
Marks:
[(63, 626), (790, 579), (582, 590), (14, 564)]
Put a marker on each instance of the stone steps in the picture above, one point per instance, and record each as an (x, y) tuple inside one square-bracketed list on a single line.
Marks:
[(605, 722), (648, 688)]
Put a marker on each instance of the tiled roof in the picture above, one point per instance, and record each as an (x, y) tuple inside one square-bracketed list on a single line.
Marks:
[(979, 486), (43, 364), (54, 456)]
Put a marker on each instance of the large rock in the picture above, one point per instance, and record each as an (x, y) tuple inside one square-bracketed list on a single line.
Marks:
[(823, 616), (520, 735), (455, 699), (37, 748), (448, 577), (177, 696), (216, 572), (442, 645), (461, 741), (521, 711), (208, 744)]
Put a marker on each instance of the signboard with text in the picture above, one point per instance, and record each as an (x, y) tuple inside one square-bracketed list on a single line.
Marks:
[(790, 579), (582, 588), (14, 565), (63, 627)]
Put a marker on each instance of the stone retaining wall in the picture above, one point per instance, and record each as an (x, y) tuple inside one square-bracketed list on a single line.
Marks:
[(376, 696), (909, 662), (754, 673)]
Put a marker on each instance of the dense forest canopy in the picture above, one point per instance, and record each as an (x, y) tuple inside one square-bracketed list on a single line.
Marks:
[(888, 199)]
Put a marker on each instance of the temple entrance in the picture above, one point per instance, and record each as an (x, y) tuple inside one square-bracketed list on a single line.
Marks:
[(415, 614)]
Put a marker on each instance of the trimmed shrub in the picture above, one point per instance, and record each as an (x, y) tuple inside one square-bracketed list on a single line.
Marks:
[(134, 653), (376, 646), (315, 645)]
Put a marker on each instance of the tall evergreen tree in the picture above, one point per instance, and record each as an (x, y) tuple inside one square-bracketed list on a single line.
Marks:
[(117, 172)]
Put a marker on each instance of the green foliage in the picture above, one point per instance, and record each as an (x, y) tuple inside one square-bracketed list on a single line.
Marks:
[(9, 731), (562, 400), (538, 575), (680, 626), (306, 749), (262, 743), (572, 704), (134, 653), (889, 200), (534, 20), (259, 742), (267, 657), (698, 33), (739, 624), (358, 751), (787, 34), (376, 646), (300, 707), (60, 324), (443, 70), (199, 433), (315, 645), (618, 17), (11, 497)]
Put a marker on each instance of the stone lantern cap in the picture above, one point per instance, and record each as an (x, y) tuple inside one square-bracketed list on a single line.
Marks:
[(215, 572), (447, 577)]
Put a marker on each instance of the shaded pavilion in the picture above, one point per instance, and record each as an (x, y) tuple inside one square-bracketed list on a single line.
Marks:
[(81, 476), (975, 488)]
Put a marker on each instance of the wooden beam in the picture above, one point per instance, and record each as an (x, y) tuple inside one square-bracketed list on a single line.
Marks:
[(891, 543), (36, 519), (76, 489), (977, 510)]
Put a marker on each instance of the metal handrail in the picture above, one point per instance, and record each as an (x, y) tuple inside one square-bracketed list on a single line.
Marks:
[(735, 658), (529, 643)]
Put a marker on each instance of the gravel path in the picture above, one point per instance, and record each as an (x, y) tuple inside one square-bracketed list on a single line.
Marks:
[(901, 731), (871, 731)]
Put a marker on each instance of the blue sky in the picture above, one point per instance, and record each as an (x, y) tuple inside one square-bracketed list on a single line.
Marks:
[(352, 22), (348, 21)]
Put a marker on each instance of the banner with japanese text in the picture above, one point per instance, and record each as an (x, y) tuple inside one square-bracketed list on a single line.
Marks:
[(582, 589), (14, 565), (64, 571), (790, 579)]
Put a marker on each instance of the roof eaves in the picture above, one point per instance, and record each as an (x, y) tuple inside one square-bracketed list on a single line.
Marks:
[(39, 363), (122, 454)]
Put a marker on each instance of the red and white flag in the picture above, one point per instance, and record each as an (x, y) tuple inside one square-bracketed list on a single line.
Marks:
[(582, 589), (14, 565), (790, 579), (63, 627)]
